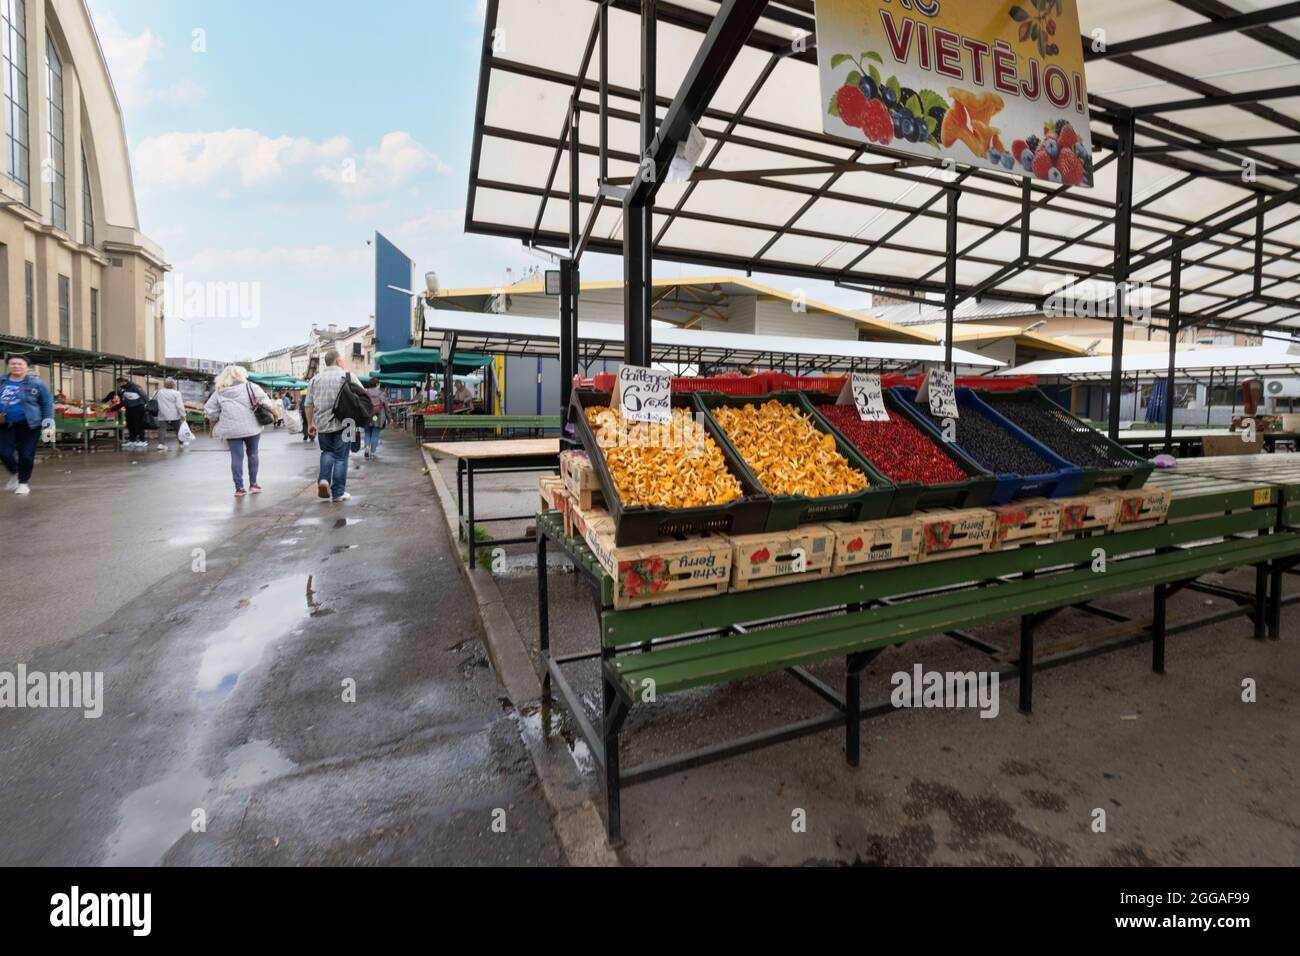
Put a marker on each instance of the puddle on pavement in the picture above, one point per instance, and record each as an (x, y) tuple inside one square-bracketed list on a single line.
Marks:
[(192, 534), (155, 817), (271, 613), (559, 726), (253, 763), (288, 542)]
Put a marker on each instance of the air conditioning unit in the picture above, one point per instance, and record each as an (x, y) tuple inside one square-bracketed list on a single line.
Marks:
[(1282, 387)]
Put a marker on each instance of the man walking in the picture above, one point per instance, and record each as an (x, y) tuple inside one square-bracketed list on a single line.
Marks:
[(133, 400), (26, 416), (334, 412)]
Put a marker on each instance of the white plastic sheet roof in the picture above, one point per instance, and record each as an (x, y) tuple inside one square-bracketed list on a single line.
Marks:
[(534, 336), (824, 226), (1193, 363)]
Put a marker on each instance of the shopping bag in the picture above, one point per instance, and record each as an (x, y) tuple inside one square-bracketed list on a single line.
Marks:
[(293, 421), (184, 434)]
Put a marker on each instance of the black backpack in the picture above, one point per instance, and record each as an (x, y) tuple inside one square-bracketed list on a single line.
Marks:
[(353, 404)]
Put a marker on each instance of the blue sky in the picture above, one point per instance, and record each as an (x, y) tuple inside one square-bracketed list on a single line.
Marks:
[(271, 144)]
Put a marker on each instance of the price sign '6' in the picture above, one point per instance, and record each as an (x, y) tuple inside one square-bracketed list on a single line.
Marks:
[(645, 394)]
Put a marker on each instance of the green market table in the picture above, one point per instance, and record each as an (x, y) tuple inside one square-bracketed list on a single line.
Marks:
[(1215, 524), (490, 423), (493, 457), (86, 427)]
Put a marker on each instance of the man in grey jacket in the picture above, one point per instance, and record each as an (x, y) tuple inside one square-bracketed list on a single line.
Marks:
[(330, 434)]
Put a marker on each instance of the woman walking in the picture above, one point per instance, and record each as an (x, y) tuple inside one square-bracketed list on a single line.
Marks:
[(171, 412), (26, 417), (233, 411), (378, 419)]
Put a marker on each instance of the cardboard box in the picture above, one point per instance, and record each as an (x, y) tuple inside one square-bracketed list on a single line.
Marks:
[(1029, 519), (875, 544), (955, 532), (1233, 443), (673, 569), (1141, 508), (1097, 512), (580, 478), (779, 557)]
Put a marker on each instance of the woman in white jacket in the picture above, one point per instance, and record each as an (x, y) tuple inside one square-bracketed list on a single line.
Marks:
[(230, 408), (171, 412)]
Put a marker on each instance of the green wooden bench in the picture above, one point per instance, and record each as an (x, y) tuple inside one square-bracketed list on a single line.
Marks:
[(482, 423), (653, 651)]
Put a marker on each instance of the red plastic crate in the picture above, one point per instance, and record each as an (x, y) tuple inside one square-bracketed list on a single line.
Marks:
[(1004, 383), (727, 384), (782, 382)]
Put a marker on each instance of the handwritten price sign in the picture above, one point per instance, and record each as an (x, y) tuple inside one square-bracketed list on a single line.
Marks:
[(645, 394), (940, 387), (864, 391)]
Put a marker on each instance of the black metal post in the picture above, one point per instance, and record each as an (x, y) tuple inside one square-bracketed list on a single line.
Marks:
[(1261, 601), (543, 619), (448, 373), (1027, 663), (1124, 132), (1175, 311), (604, 93), (469, 533), (950, 278), (649, 123), (1158, 618)]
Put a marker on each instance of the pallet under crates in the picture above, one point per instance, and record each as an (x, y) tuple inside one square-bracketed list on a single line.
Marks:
[(579, 476)]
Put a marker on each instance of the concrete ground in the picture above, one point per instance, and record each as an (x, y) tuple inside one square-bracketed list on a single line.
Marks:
[(1185, 771), (228, 633)]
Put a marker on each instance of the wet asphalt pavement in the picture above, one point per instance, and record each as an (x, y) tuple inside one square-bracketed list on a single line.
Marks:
[(229, 633)]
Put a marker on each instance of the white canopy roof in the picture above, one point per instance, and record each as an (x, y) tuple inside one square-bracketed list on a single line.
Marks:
[(886, 228), (1247, 361), (533, 336)]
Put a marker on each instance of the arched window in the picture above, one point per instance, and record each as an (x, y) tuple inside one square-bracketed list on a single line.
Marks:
[(13, 28), (87, 208), (55, 174)]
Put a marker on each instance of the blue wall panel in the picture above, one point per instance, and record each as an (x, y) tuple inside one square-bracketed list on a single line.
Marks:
[(392, 308)]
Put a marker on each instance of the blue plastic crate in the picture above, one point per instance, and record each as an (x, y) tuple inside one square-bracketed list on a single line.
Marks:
[(1055, 484)]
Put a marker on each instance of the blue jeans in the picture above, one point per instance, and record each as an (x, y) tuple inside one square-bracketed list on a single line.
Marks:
[(19, 438), (334, 461), (373, 434), (237, 449)]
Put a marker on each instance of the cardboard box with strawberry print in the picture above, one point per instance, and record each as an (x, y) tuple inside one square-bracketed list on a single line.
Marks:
[(1028, 519), (674, 569), (875, 544), (955, 532), (781, 556)]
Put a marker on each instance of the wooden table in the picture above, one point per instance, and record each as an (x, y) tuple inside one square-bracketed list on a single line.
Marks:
[(493, 457)]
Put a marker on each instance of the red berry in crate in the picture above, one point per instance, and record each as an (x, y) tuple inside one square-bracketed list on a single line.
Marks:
[(898, 449)]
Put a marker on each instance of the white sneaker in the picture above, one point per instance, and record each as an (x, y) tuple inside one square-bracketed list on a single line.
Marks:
[(23, 490), (343, 497), (162, 447), (322, 489), (13, 483)]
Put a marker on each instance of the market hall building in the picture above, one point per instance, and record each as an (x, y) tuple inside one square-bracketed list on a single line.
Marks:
[(75, 269)]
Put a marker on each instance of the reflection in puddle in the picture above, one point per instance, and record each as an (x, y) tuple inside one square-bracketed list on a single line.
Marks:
[(270, 614), (344, 522), (155, 817), (253, 763)]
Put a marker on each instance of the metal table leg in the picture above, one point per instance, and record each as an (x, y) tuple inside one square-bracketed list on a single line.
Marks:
[(614, 710), (1261, 601), (1027, 663), (543, 617), (469, 481), (460, 498), (1158, 618)]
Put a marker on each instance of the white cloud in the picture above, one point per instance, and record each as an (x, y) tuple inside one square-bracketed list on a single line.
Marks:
[(129, 56), (398, 158), (199, 159)]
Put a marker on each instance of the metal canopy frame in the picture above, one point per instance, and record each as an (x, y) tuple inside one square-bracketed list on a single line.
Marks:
[(1215, 253)]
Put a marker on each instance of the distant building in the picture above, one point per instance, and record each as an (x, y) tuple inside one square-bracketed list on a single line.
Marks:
[(356, 344)]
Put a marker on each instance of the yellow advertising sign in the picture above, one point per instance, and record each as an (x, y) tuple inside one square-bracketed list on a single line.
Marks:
[(996, 83)]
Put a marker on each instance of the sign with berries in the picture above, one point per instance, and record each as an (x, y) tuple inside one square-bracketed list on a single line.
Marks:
[(981, 82)]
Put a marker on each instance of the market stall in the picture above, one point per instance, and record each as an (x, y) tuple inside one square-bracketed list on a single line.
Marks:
[(795, 535)]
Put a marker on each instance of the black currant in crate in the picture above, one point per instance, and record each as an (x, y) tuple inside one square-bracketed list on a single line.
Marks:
[(992, 446)]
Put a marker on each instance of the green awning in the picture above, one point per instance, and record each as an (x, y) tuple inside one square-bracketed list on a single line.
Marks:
[(427, 360)]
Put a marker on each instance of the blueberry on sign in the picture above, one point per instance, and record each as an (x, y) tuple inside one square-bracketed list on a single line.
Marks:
[(645, 394), (940, 392)]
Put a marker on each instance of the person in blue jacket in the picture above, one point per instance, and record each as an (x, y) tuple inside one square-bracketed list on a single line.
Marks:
[(26, 417)]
